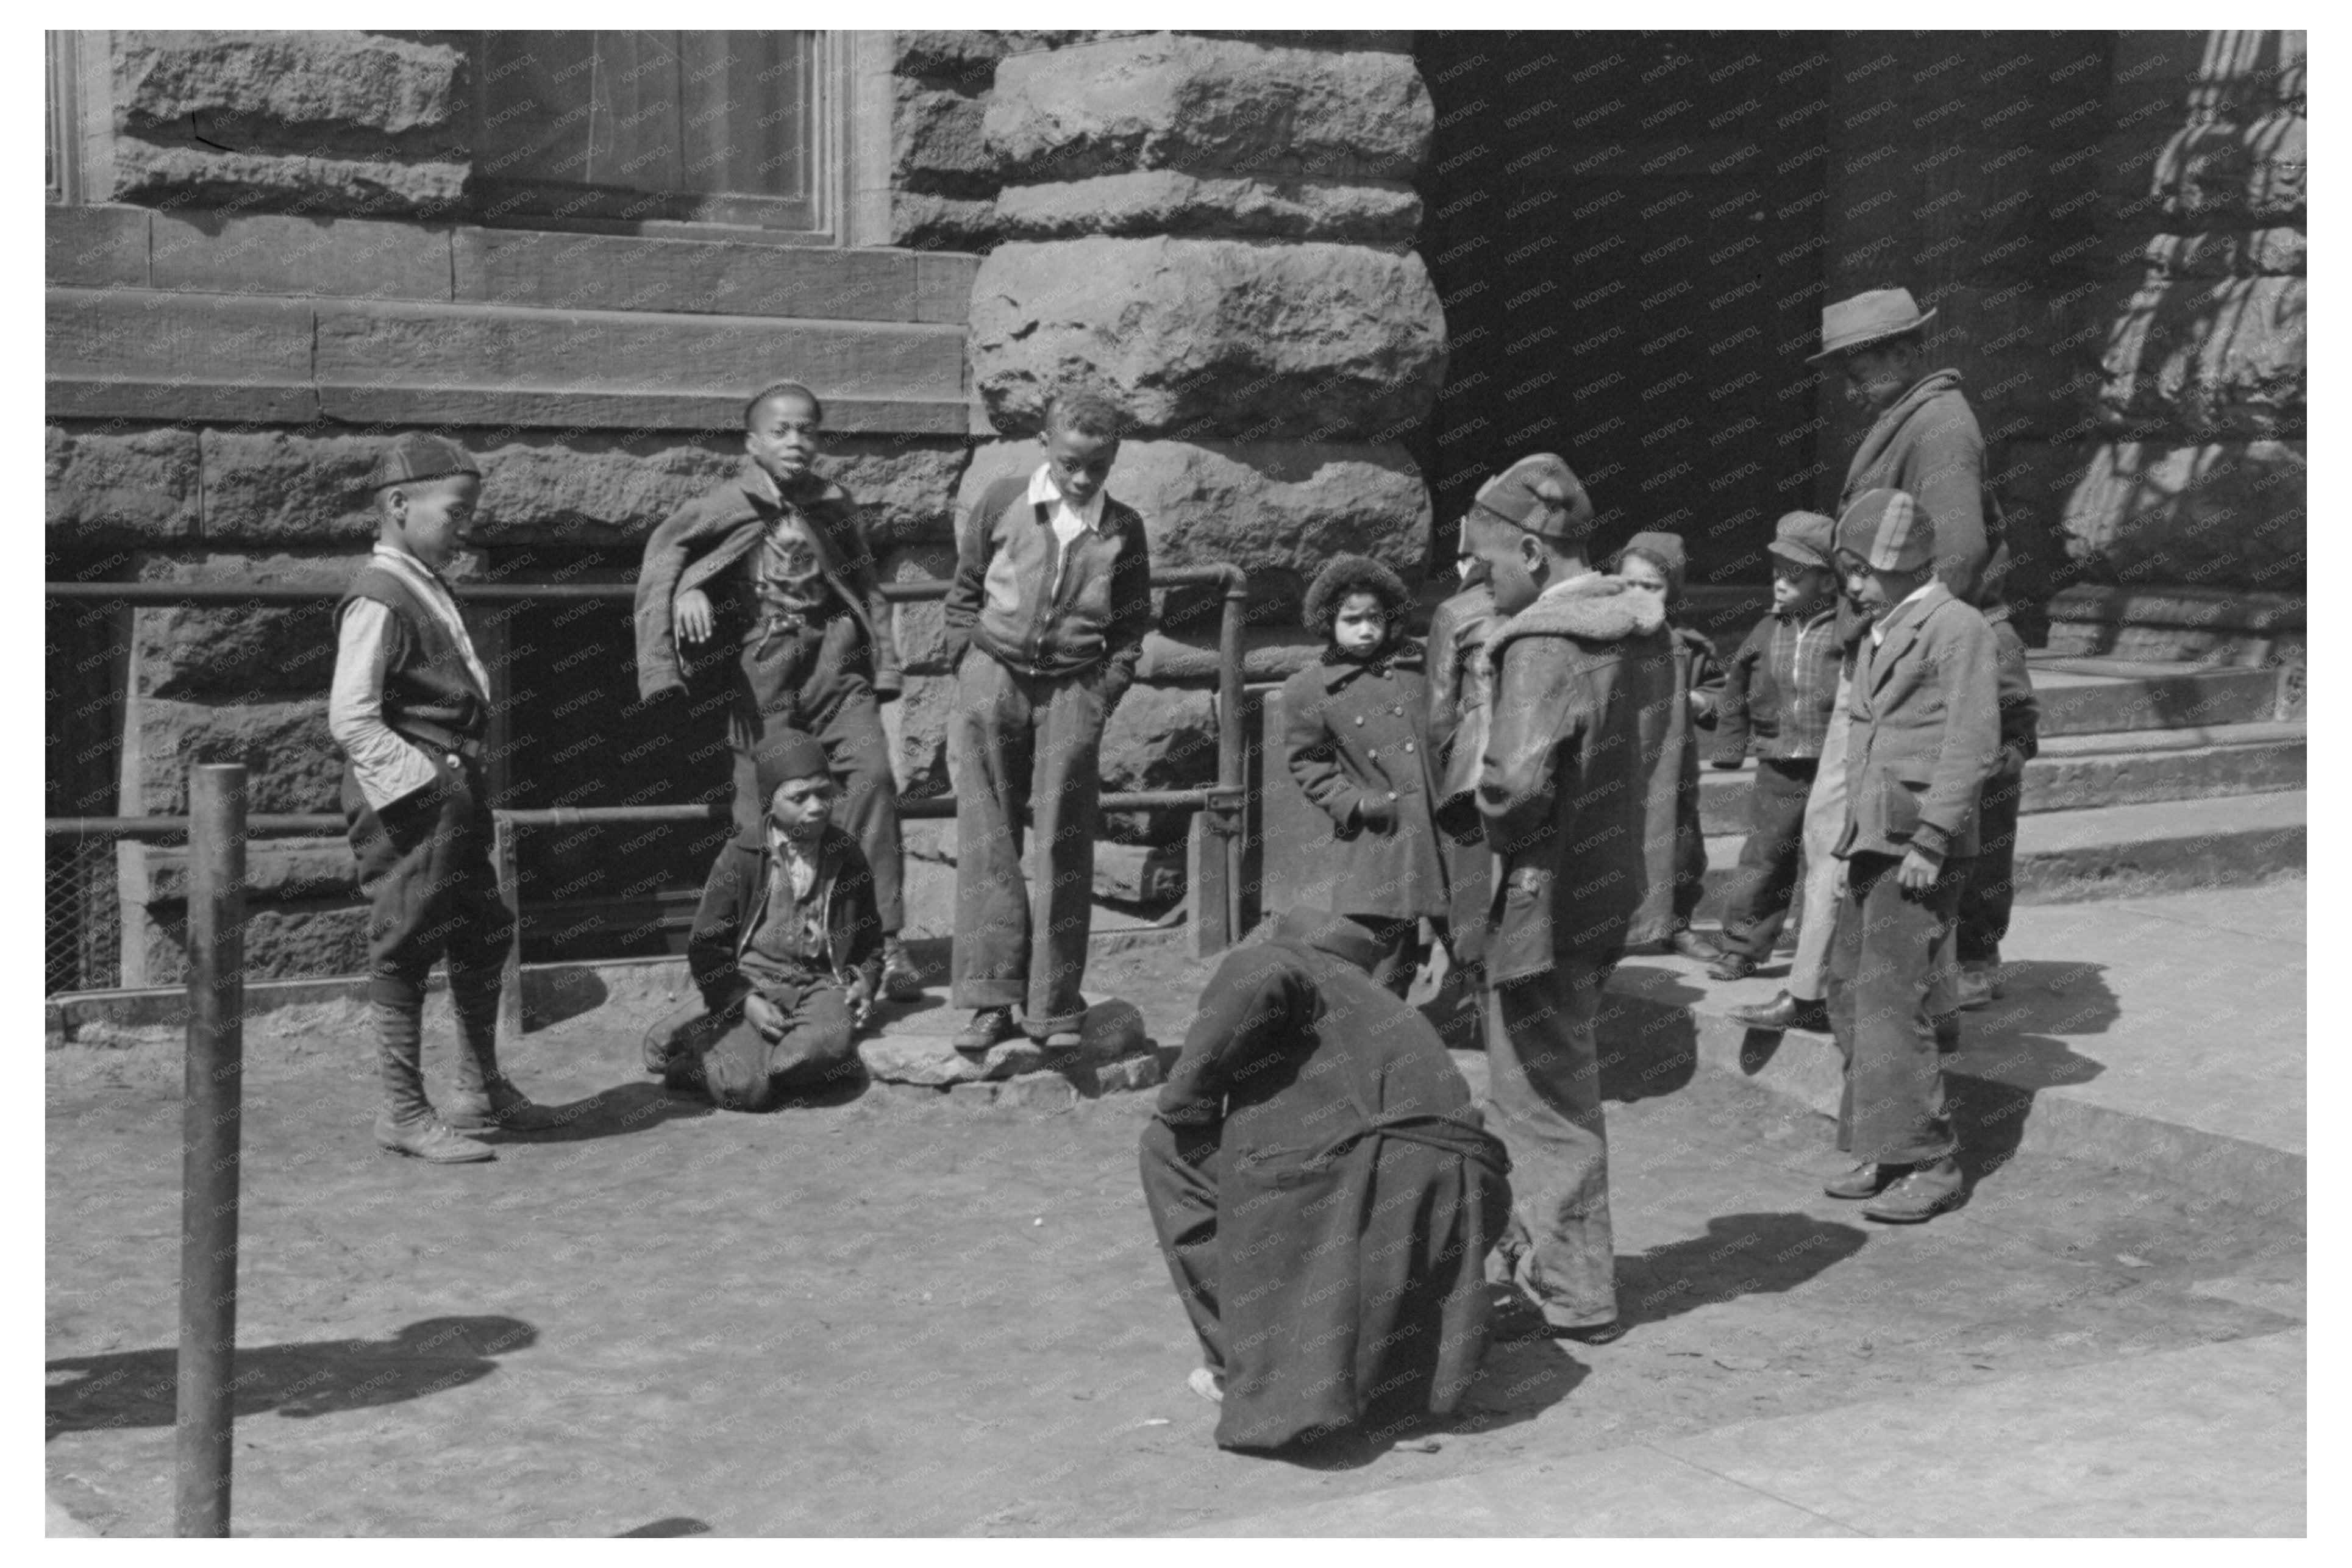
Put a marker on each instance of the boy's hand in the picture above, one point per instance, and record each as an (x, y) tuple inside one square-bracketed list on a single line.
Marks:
[(1918, 871), (1701, 702), (861, 1000), (689, 613), (764, 1015)]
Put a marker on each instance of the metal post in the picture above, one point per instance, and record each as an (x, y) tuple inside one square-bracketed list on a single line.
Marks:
[(1229, 741), (502, 854), (209, 1138)]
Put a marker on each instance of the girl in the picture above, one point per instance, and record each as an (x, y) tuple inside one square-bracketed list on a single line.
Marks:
[(1356, 730), (1653, 564)]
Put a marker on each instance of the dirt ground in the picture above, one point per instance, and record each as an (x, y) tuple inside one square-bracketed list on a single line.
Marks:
[(901, 1316)]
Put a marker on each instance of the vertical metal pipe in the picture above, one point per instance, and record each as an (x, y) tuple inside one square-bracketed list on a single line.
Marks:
[(502, 855), (1229, 736), (210, 1117)]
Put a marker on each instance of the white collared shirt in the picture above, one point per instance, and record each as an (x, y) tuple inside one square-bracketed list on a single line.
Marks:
[(387, 766), (799, 864), (1878, 627), (1068, 519)]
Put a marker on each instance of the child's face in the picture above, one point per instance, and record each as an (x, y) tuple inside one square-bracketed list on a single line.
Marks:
[(784, 437), (1361, 626), (1799, 589), (434, 520), (1640, 572), (801, 807), (1875, 590), (1080, 462)]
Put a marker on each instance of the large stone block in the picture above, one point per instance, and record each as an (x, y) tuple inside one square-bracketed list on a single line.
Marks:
[(283, 487), (920, 625), (277, 871), (148, 174), (592, 490), (2205, 75), (966, 58), (2208, 361), (922, 221), (1277, 510), (905, 485), (1164, 201), (2219, 515), (918, 727), (2228, 253), (241, 84), (2207, 172), (937, 141), (1159, 737), (1211, 337), (292, 763), (109, 486), (279, 945), (235, 652), (1208, 106)]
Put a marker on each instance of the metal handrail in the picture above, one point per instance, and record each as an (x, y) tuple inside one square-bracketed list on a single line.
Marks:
[(1217, 912)]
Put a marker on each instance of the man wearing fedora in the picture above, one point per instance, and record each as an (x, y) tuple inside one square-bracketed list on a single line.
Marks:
[(1926, 442)]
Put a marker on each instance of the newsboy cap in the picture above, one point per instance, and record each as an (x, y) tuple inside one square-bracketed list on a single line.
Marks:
[(420, 455), (1889, 530), (784, 755), (1807, 538), (1866, 318), (1540, 495)]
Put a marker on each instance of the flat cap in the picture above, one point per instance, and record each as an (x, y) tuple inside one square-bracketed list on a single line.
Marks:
[(1889, 530), (420, 455), (1807, 538), (1540, 495)]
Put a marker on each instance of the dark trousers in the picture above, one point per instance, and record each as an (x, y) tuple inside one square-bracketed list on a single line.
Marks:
[(1690, 851), (1884, 979), (1991, 886), (1182, 1169), (1543, 1093), (742, 1069), (432, 888), (1027, 741), (816, 678), (1766, 878)]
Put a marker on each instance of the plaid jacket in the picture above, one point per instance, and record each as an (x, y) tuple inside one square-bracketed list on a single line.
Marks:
[(1782, 689)]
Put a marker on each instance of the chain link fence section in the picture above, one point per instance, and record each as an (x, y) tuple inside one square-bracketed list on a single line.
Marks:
[(81, 904)]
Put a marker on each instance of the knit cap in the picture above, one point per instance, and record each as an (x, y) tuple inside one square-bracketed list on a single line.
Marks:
[(420, 455), (1888, 530), (1541, 495)]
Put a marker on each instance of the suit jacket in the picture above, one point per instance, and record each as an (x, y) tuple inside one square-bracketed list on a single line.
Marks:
[(1583, 696), (731, 898), (720, 529), (1927, 730)]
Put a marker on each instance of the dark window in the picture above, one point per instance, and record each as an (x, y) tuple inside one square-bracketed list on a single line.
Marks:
[(635, 126)]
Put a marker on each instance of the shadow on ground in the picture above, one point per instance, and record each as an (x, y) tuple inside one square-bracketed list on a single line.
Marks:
[(138, 1388)]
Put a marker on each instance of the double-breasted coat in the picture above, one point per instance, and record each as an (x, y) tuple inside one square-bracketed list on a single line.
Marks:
[(1357, 738)]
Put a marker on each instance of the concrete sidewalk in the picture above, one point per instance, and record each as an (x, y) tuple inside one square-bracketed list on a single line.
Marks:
[(2196, 1442), (2163, 1034)]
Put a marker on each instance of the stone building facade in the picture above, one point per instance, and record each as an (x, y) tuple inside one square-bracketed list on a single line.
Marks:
[(1333, 278)]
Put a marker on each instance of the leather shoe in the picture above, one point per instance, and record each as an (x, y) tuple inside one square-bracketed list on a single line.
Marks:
[(988, 1026), (1784, 1012), (1695, 944), (901, 981), (1977, 987), (1731, 966), (505, 1108), (1593, 1334), (1926, 1192), (429, 1139), (1866, 1180)]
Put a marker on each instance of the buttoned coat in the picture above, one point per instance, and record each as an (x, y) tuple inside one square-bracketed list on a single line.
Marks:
[(1357, 738), (1584, 686), (1927, 730)]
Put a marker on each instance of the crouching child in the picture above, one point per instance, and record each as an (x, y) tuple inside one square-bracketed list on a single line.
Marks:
[(786, 949)]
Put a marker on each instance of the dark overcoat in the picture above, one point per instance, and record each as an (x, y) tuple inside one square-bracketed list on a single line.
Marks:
[(1671, 842), (1356, 736), (1326, 1192)]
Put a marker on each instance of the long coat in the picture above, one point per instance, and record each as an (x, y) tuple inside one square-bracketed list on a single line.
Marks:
[(1356, 736), (1672, 839), (1926, 729), (1325, 1192), (1583, 685), (1930, 444), (1461, 690)]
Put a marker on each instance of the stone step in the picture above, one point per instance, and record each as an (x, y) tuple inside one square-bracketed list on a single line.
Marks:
[(2124, 767), (2123, 851), (2084, 696)]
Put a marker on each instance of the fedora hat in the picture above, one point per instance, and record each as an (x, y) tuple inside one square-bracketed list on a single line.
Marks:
[(1866, 318)]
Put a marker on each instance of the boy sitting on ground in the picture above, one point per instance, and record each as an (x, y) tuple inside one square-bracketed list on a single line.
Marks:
[(786, 947)]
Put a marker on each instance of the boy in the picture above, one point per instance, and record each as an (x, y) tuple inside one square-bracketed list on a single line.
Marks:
[(1583, 687), (1925, 736), (409, 706), (796, 583), (1780, 691), (785, 946), (1045, 621)]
